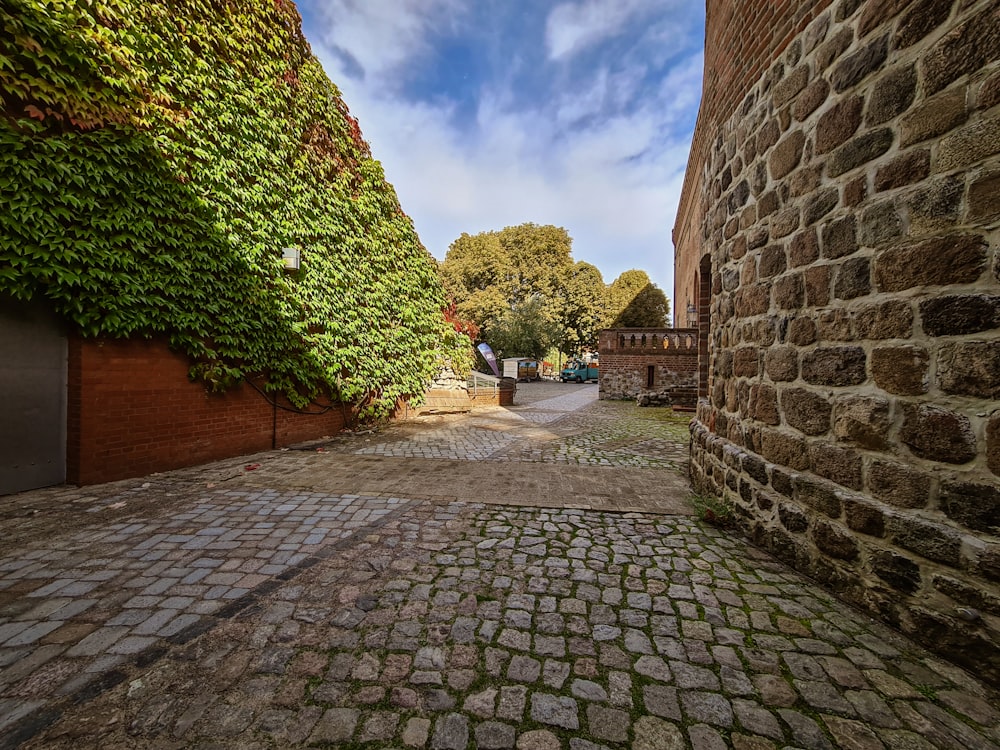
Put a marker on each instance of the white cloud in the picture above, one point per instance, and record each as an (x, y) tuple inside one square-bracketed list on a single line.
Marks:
[(572, 27), (382, 35), (612, 180)]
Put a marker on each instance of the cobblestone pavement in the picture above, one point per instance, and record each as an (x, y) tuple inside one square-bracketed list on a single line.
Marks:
[(242, 605)]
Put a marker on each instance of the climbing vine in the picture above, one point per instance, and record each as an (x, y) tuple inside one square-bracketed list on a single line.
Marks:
[(155, 159)]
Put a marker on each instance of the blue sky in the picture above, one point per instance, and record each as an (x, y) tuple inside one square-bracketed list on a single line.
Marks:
[(490, 113)]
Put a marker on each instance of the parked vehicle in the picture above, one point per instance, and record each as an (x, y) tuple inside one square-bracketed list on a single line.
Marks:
[(521, 368), (579, 372)]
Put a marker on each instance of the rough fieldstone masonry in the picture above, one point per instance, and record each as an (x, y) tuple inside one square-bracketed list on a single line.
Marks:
[(655, 362), (843, 198)]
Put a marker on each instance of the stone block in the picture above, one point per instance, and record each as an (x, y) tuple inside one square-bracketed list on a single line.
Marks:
[(757, 237), (855, 191), (834, 325), (772, 261), (937, 434), (833, 48), (840, 237), (934, 206), (940, 261), (834, 541), (810, 98), (972, 504), (858, 151), (785, 222), (748, 270), (876, 14), (838, 123), (984, 198), (817, 281), (752, 300), (840, 465), (789, 292), (803, 248), (907, 168), (755, 467), (989, 93), (787, 154), (784, 449), (960, 314), (792, 518), (964, 49), (819, 205), (818, 495), (963, 148), (805, 410), (746, 362), (861, 515), (919, 20), (888, 320), (863, 420), (899, 571), (856, 67), (781, 363), (768, 135), (993, 443), (989, 562), (892, 94), (803, 181), (834, 366), (853, 279), (930, 540), (901, 370), (899, 484), (880, 224), (789, 86), (781, 481), (764, 405), (801, 332), (970, 368), (739, 247)]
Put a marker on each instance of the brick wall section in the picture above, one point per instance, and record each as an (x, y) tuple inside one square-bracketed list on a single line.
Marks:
[(848, 202), (132, 411), (626, 353)]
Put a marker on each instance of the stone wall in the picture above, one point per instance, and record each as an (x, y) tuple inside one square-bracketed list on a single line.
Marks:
[(627, 354), (849, 204)]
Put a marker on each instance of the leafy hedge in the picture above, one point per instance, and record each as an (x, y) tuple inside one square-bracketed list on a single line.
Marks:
[(155, 158)]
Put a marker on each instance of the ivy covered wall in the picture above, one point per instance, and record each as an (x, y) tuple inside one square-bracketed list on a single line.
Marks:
[(155, 159)]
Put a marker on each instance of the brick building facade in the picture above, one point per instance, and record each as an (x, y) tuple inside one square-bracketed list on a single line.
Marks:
[(839, 237), (643, 360)]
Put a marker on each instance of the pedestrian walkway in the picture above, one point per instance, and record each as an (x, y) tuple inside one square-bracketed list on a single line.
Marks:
[(262, 603)]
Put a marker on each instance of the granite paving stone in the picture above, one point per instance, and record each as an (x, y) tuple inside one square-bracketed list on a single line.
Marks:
[(433, 588)]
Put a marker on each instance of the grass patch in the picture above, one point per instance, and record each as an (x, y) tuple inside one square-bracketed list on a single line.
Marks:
[(713, 510)]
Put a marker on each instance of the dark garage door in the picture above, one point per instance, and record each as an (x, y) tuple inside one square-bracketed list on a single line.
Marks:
[(32, 397)]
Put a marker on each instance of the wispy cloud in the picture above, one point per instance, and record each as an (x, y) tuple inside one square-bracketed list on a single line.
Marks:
[(487, 114), (574, 26)]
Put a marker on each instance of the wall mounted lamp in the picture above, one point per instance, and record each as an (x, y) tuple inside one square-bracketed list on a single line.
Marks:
[(291, 257)]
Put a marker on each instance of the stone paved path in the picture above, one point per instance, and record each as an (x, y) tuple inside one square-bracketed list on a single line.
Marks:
[(231, 608)]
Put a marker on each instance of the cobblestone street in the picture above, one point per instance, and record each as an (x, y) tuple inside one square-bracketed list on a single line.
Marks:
[(529, 578)]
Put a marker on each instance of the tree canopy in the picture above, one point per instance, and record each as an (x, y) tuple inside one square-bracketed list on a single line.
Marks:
[(523, 290)]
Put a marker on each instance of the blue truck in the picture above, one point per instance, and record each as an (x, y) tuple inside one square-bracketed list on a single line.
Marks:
[(579, 372)]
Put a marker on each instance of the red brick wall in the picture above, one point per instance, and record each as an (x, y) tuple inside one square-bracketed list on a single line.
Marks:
[(132, 411)]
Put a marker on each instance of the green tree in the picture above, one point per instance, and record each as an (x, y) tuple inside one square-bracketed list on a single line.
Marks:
[(622, 292), (649, 308), (493, 276), (584, 308), (525, 331)]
